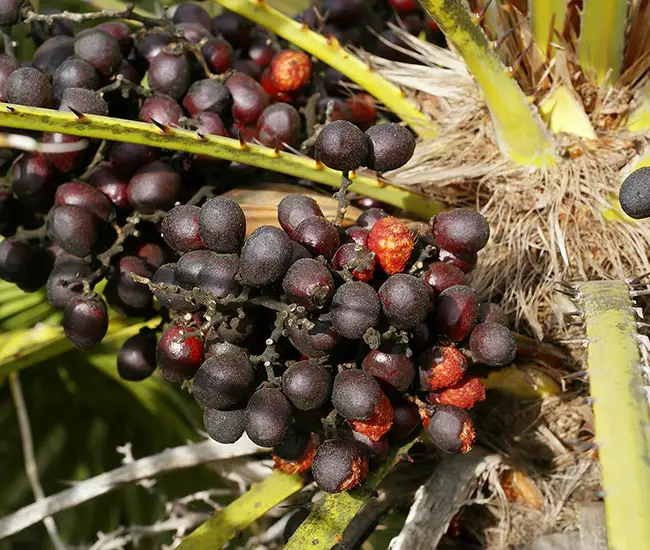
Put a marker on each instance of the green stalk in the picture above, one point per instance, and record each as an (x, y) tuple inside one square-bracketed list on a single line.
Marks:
[(330, 51), (621, 414), (331, 515), (519, 132), (602, 39), (239, 514), (116, 129), (547, 17)]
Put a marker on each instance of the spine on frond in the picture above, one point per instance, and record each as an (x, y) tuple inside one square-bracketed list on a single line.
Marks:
[(521, 135), (547, 18), (622, 417), (115, 129), (330, 51), (602, 39)]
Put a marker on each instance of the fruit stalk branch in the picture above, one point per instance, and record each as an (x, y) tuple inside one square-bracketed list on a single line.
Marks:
[(130, 13), (115, 129), (519, 131), (330, 51)]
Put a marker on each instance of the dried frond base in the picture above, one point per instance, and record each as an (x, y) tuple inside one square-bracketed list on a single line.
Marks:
[(547, 225)]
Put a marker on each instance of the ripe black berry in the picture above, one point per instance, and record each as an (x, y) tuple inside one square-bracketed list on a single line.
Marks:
[(391, 146), (493, 344), (167, 274), (180, 228), (456, 312), (84, 101), (278, 124), (207, 95), (86, 196), (23, 264), (224, 426), (222, 225), (404, 300), (161, 108), (460, 231), (100, 50), (342, 146), (318, 235), (153, 187), (268, 415), (294, 444), (224, 378), (634, 194), (309, 283), (355, 394), (170, 74), (73, 228), (265, 256), (218, 276), (74, 73), (307, 384), (28, 86), (451, 429), (338, 466), (85, 321), (136, 359), (355, 308), (64, 282), (294, 209), (406, 418), (315, 342)]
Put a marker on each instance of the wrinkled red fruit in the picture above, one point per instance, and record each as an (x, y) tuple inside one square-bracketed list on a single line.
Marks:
[(441, 367), (467, 393), (392, 243), (456, 312)]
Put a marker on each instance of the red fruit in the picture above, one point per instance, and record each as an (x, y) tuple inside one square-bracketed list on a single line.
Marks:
[(179, 353), (362, 109), (295, 466), (290, 70), (441, 367), (433, 26), (379, 423), (403, 5), (270, 88), (358, 474), (64, 162), (392, 243), (357, 259), (467, 393)]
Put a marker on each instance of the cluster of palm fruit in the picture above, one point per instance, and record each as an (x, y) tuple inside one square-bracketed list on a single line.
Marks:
[(320, 342)]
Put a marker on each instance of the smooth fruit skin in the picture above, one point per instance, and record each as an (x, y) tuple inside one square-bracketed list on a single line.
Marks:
[(179, 352), (391, 365), (154, 187), (355, 309), (460, 231), (99, 50), (163, 109), (180, 228), (338, 466), (634, 194), (224, 426), (356, 259), (492, 313), (318, 235), (248, 98), (493, 344), (368, 218), (441, 276), (355, 394), (317, 342), (265, 256), (170, 74), (85, 321), (136, 359), (279, 124), (404, 300), (456, 312), (392, 242), (207, 95), (25, 265), (340, 145), (391, 146), (294, 209), (309, 283), (85, 196), (64, 282), (307, 384), (73, 228), (268, 415), (451, 429), (222, 225)]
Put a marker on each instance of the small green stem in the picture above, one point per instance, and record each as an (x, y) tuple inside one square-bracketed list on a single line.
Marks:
[(115, 129), (547, 18), (330, 51)]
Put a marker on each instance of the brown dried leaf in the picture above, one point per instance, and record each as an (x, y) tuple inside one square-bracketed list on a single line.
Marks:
[(520, 488)]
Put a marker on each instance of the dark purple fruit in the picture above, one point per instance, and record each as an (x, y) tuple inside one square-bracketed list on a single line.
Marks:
[(191, 13), (154, 187), (86, 196), (120, 32), (369, 447), (167, 274), (170, 74), (9, 12), (391, 146), (85, 321), (441, 276), (293, 446), (294, 209), (492, 313), (85, 101), (318, 235), (190, 265), (100, 50), (218, 276), (355, 309), (114, 186), (268, 415), (390, 364), (51, 53), (316, 342), (126, 158), (406, 418), (338, 466), (222, 225), (153, 44), (73, 228), (309, 283), (299, 252), (218, 54), (493, 344), (24, 265), (224, 379), (180, 352), (248, 98), (180, 228), (355, 394), (261, 51), (265, 256), (234, 28), (64, 282), (460, 231), (207, 95), (161, 108), (340, 145), (32, 181), (456, 312), (343, 13), (279, 124), (451, 429), (129, 292), (404, 300), (464, 262), (30, 87), (224, 426), (634, 194), (358, 235), (307, 384), (74, 73), (370, 217), (136, 359), (8, 65)]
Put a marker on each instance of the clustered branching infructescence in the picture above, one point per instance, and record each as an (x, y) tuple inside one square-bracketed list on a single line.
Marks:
[(321, 342)]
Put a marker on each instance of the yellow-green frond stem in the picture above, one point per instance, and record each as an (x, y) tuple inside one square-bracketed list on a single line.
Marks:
[(602, 39), (639, 119), (564, 112), (114, 129), (622, 417), (547, 18), (330, 51), (240, 513), (520, 134)]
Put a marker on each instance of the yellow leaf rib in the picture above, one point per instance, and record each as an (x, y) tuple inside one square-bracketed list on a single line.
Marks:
[(547, 17)]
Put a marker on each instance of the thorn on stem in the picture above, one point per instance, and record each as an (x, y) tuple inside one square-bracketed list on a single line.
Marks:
[(201, 136), (481, 15), (11, 109), (162, 127), (80, 116), (242, 140), (513, 69)]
